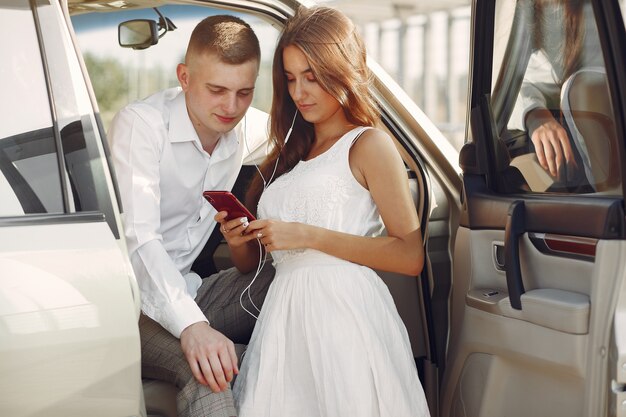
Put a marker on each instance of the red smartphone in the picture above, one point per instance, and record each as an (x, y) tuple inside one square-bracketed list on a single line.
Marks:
[(226, 201)]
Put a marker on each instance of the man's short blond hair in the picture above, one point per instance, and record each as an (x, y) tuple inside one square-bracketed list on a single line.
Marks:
[(228, 37)]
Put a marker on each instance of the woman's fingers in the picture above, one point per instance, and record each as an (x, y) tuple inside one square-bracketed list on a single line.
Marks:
[(239, 231), (236, 226)]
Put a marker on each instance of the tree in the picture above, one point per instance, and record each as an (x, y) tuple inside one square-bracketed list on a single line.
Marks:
[(109, 81)]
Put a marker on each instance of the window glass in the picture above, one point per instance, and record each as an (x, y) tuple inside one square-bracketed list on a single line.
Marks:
[(85, 179), (550, 98), (122, 75), (29, 173)]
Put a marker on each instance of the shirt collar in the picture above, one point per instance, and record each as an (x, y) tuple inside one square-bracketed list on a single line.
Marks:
[(180, 126), (228, 144)]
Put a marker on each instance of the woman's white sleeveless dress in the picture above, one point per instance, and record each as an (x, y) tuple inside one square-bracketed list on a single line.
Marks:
[(329, 341)]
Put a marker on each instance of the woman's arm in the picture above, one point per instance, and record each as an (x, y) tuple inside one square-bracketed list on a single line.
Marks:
[(376, 164), (245, 251), (552, 145)]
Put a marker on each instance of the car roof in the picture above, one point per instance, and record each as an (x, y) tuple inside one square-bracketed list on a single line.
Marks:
[(85, 6)]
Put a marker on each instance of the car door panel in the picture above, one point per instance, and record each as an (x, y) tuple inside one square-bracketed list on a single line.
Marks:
[(541, 352), (569, 260), (537, 271), (79, 347), (69, 302)]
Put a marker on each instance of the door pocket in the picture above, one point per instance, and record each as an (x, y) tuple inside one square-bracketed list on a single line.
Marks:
[(565, 311)]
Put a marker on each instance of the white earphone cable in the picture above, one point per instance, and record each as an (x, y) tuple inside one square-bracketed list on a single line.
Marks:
[(262, 259), (247, 289)]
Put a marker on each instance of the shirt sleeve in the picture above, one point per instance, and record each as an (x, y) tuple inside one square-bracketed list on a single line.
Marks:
[(540, 85), (136, 143), (256, 134)]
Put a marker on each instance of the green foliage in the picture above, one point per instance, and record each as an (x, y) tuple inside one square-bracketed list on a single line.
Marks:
[(109, 81), (116, 84)]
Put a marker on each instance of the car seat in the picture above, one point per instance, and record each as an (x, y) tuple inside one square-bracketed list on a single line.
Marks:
[(586, 106)]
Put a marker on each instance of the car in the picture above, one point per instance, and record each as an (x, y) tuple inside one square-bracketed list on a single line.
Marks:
[(520, 309)]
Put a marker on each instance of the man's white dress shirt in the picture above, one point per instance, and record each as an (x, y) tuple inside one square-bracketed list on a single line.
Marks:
[(162, 171)]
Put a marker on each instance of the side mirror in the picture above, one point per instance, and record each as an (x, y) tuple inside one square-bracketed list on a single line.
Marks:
[(143, 33), (138, 33)]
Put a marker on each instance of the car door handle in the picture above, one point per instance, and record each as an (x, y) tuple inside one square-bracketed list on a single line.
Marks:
[(515, 227), (498, 256)]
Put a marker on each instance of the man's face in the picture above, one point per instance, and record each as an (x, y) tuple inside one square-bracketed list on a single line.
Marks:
[(217, 94)]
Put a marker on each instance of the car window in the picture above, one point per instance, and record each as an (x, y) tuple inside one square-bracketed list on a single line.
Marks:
[(551, 101), (29, 173), (52, 160), (122, 75)]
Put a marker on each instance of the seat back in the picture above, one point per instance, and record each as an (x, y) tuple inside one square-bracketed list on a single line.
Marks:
[(587, 110), (406, 293)]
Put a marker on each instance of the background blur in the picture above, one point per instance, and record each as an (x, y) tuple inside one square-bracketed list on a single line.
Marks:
[(422, 44)]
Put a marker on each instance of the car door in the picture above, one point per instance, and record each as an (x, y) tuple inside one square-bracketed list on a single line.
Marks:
[(69, 340), (539, 258)]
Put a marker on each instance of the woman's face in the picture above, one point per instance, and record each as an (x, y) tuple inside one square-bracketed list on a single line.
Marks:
[(313, 102)]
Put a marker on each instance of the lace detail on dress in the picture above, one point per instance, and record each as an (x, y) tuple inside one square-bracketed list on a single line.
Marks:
[(312, 205), (321, 192), (303, 168)]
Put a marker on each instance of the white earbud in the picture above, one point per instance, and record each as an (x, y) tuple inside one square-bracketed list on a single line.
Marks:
[(291, 127), (293, 122)]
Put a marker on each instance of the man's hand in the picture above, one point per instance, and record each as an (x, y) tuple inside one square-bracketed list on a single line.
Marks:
[(210, 354), (552, 144)]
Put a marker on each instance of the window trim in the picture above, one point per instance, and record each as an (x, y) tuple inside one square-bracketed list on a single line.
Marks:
[(54, 218), (612, 35), (60, 55), (55, 127)]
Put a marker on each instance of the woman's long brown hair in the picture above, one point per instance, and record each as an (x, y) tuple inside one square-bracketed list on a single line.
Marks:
[(336, 55), (570, 52)]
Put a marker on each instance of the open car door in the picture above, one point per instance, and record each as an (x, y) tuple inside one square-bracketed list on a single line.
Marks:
[(537, 305), (69, 303)]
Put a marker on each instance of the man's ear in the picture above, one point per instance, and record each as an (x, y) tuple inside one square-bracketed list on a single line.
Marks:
[(182, 72)]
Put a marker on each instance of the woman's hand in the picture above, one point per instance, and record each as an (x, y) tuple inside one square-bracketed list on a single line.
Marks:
[(277, 235), (552, 145), (234, 230), (244, 253)]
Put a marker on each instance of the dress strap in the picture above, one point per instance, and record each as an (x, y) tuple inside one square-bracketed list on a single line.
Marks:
[(357, 132), (343, 146)]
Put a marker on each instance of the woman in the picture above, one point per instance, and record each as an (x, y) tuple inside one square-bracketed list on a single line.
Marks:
[(565, 39), (328, 341)]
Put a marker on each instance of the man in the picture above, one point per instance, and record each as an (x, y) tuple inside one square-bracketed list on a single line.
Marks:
[(166, 150)]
